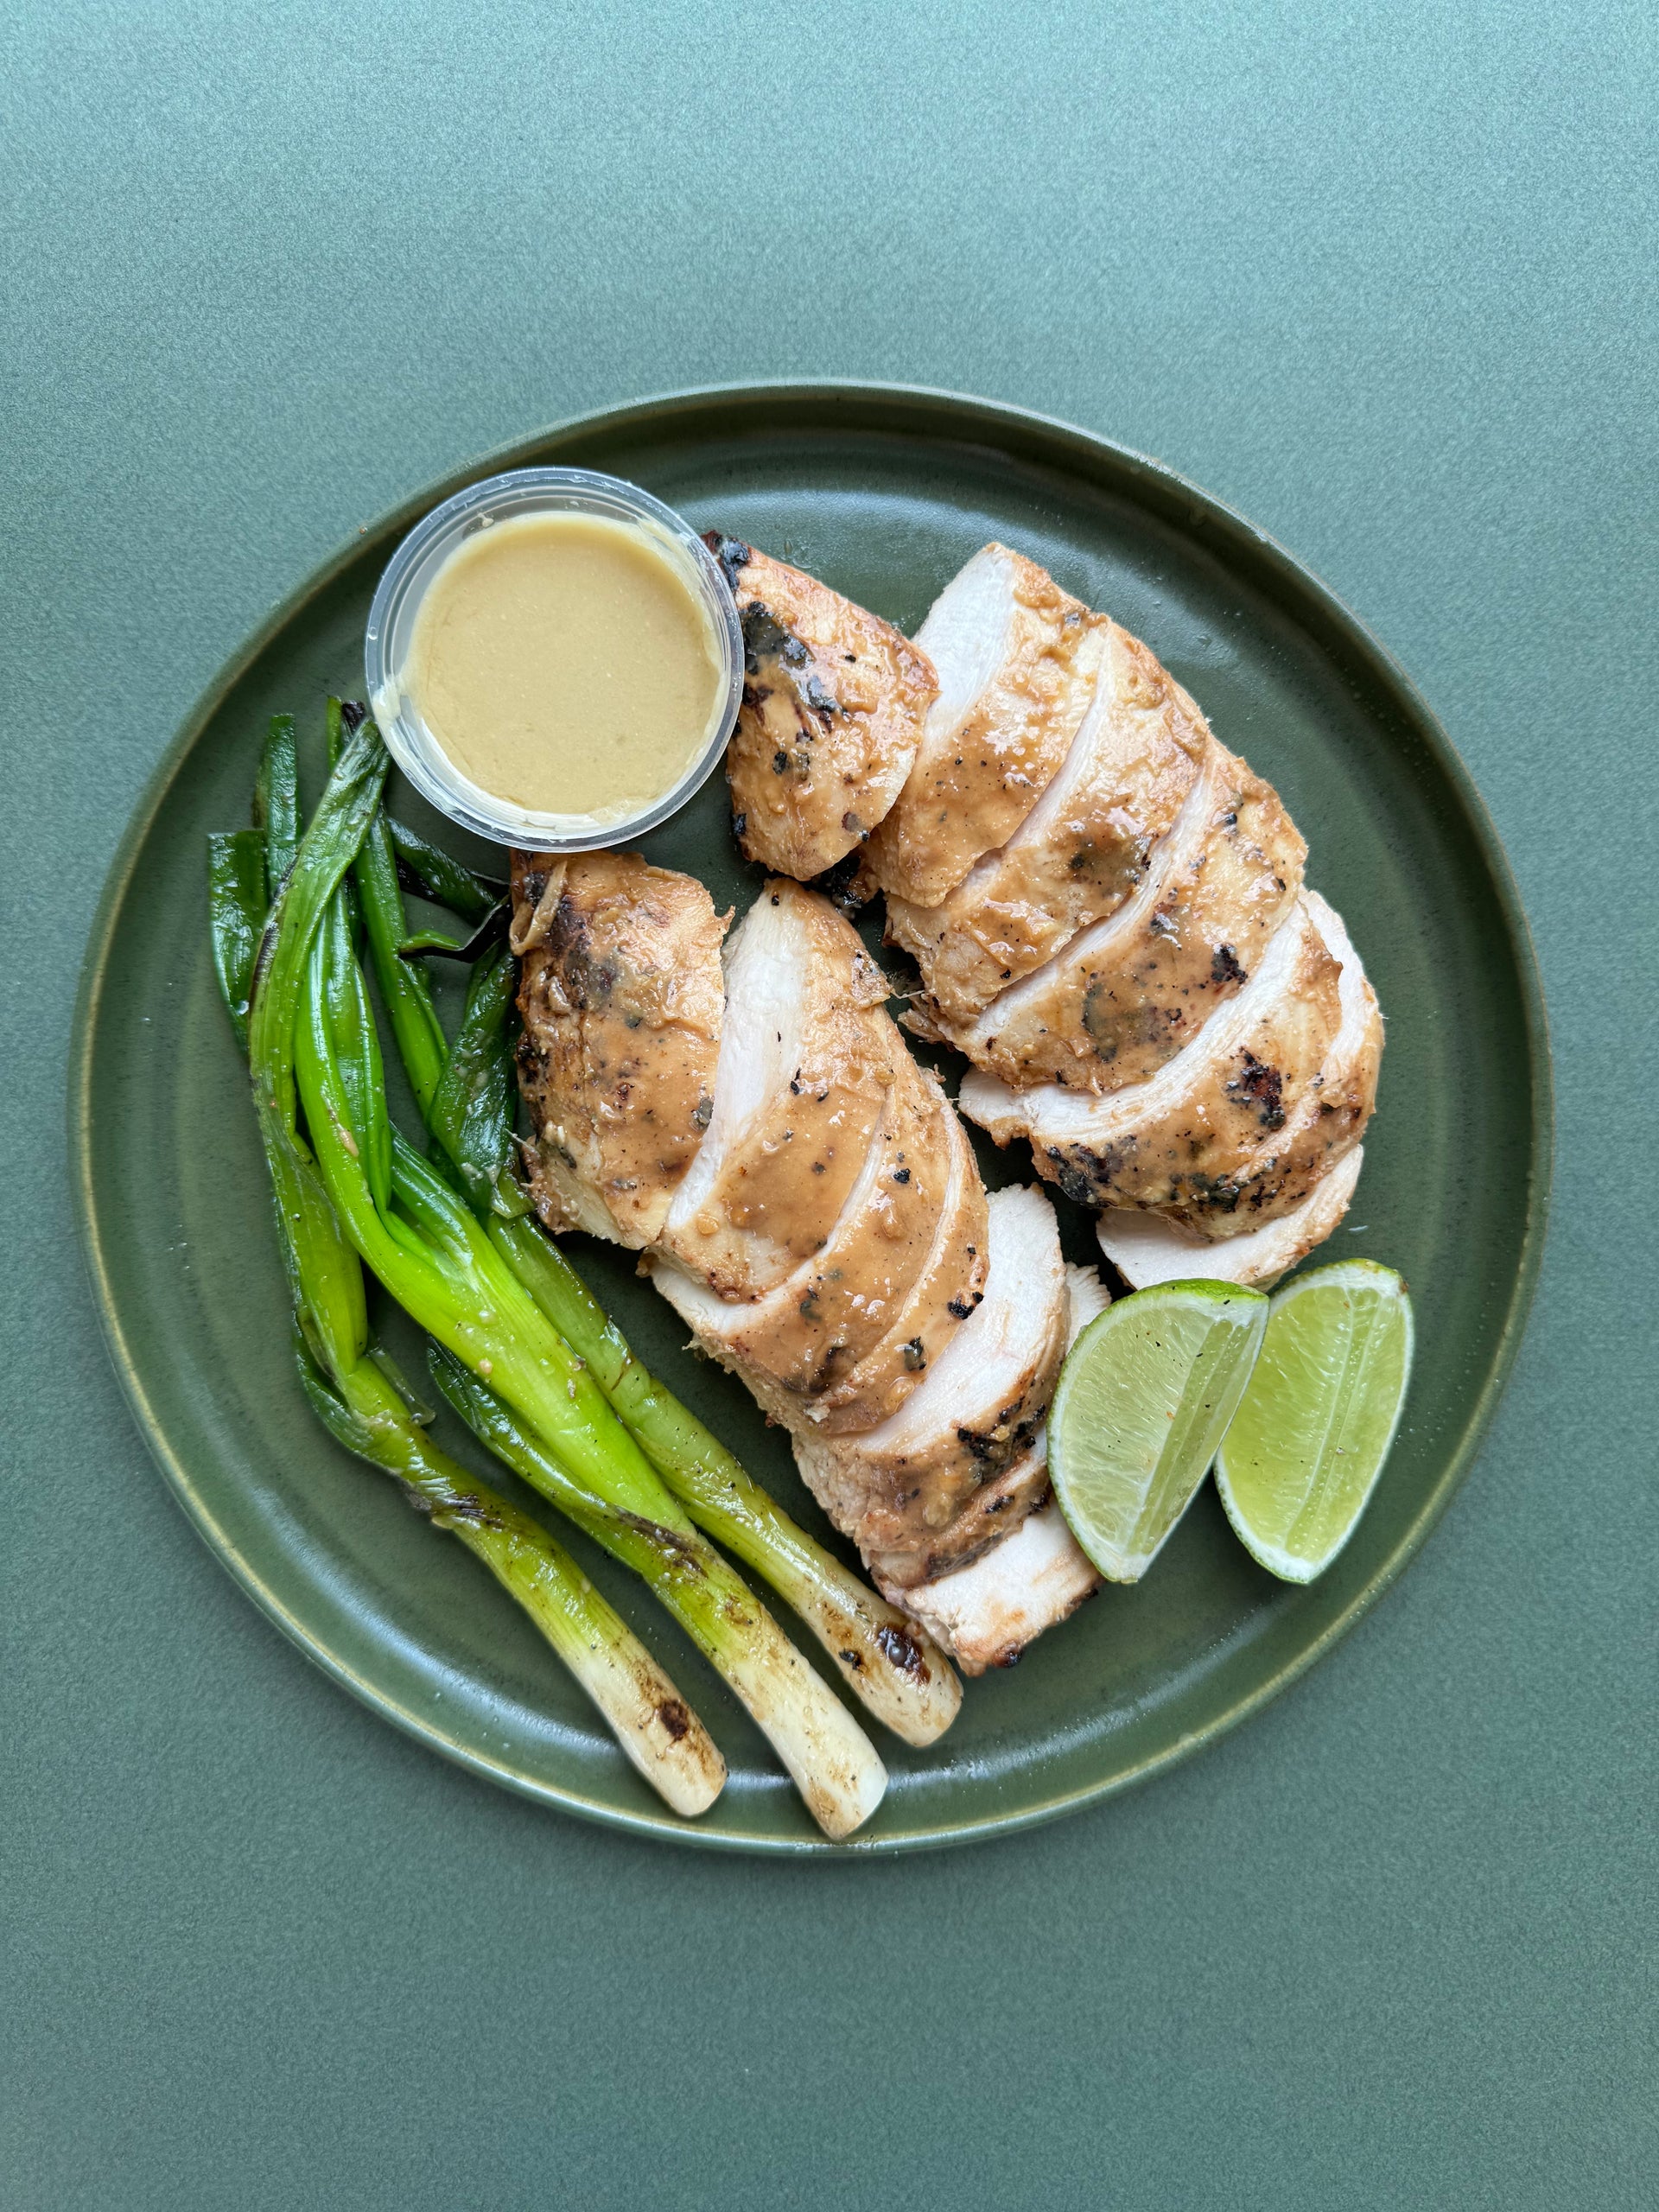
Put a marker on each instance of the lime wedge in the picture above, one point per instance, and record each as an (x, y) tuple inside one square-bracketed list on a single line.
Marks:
[(1309, 1438), (1144, 1398)]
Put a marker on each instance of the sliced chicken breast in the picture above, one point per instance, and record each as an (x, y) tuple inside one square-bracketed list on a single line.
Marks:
[(986, 1613), (809, 1056), (834, 703), (707, 1315), (1331, 1115), (1126, 995), (925, 1489), (1237, 1128), (1145, 1249), (1083, 851), (831, 1235), (1086, 1299), (945, 1291), (621, 996), (823, 1319), (1016, 659)]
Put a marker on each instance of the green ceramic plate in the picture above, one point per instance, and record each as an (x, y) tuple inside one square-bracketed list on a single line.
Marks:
[(885, 493)]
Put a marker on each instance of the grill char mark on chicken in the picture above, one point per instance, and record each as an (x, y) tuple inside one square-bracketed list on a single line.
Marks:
[(1238, 1129), (1149, 1248), (620, 993), (834, 703)]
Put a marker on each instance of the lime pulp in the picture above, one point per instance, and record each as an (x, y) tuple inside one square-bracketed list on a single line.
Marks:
[(1144, 1399), (1299, 1462)]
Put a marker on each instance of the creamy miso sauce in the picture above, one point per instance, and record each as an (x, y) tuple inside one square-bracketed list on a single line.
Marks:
[(564, 663)]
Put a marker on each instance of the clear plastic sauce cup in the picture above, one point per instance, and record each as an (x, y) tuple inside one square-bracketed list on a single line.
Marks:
[(392, 618)]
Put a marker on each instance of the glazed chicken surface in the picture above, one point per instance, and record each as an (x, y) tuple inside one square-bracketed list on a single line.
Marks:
[(1082, 851), (1110, 1006), (929, 1486), (1239, 1128), (1016, 659), (989, 1611), (801, 1091), (620, 991), (834, 703), (838, 1163)]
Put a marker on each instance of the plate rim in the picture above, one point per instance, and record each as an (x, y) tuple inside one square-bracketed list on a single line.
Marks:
[(1172, 491)]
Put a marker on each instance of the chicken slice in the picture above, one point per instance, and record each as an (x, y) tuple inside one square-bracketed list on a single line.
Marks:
[(827, 1316), (834, 703), (809, 1056), (1331, 1115), (1145, 1249), (1016, 659), (1084, 847), (948, 1288), (985, 1614), (1128, 993), (621, 997), (943, 1294), (836, 1194), (926, 1489), (1239, 1126), (1086, 1299)]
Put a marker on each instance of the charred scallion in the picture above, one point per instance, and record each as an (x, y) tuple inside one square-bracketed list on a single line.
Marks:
[(430, 872), (661, 1735), (423, 1242), (355, 1390), (898, 1672)]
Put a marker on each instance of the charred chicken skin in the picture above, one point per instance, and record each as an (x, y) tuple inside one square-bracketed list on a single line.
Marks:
[(619, 989), (834, 703)]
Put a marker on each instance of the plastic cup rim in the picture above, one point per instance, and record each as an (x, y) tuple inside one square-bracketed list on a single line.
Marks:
[(416, 560)]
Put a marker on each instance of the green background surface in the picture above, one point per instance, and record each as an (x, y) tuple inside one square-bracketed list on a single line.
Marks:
[(1384, 281)]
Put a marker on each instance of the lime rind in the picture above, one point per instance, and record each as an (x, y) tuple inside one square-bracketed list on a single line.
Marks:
[(1144, 1396), (1328, 1388)]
